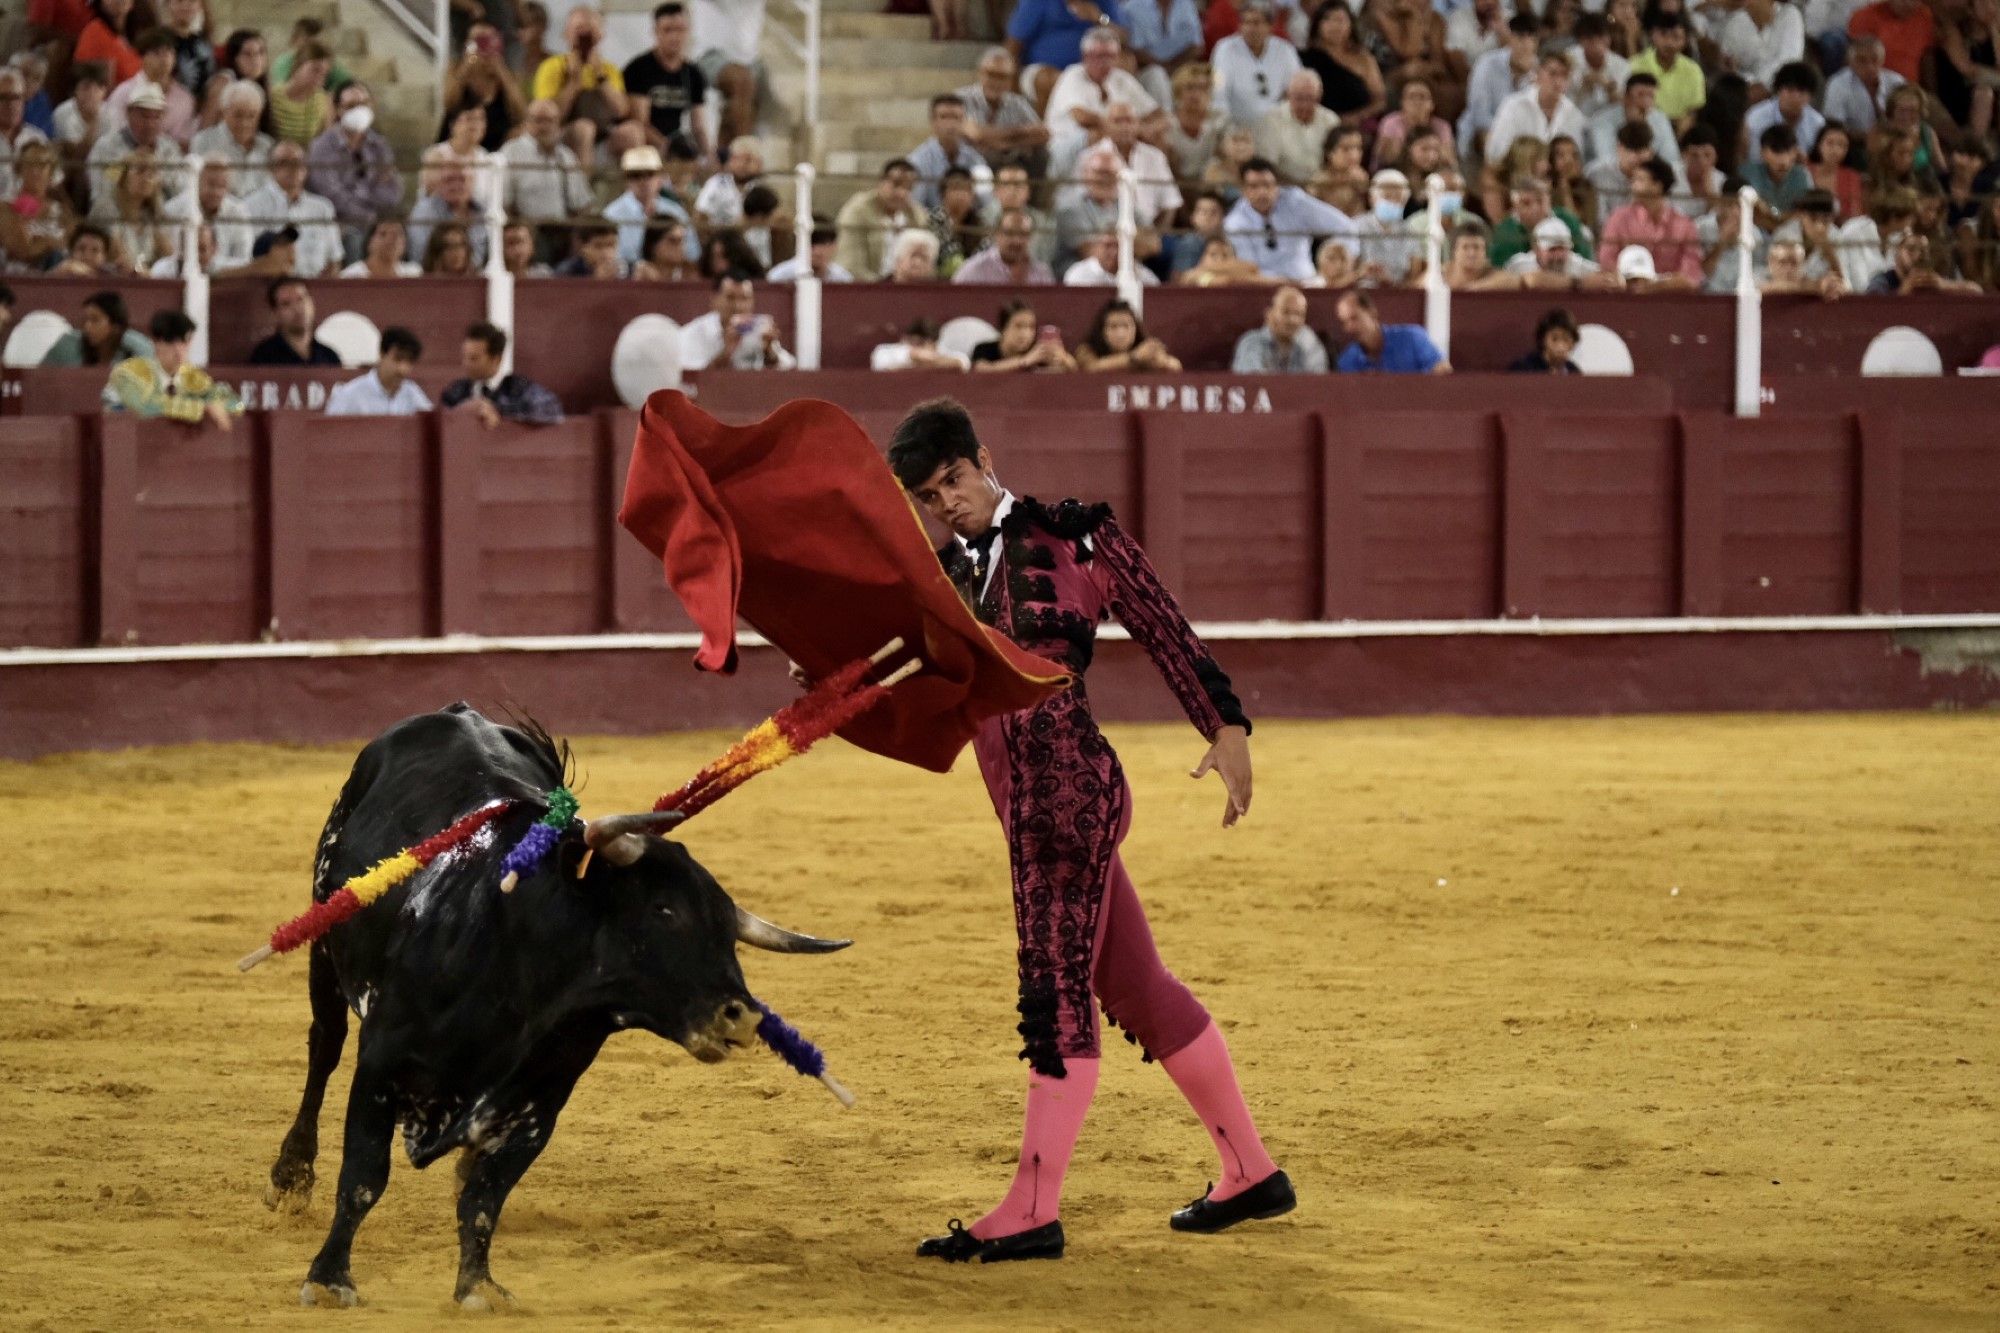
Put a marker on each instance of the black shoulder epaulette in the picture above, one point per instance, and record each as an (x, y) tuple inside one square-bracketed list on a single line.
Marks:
[(1068, 519)]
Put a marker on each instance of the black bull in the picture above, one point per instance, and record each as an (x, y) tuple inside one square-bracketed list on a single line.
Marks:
[(480, 1009)]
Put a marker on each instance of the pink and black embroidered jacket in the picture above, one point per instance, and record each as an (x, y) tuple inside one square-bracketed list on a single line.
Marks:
[(1055, 781)]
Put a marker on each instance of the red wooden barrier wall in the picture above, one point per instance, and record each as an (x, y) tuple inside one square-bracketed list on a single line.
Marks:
[(297, 526)]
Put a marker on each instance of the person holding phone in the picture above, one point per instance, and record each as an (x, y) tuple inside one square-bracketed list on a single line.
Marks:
[(733, 335), (1022, 344), (588, 89)]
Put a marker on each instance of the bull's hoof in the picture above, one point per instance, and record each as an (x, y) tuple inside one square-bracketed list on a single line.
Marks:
[(486, 1297), (288, 1200), (328, 1296)]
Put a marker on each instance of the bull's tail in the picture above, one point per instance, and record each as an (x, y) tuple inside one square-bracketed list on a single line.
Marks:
[(292, 1174)]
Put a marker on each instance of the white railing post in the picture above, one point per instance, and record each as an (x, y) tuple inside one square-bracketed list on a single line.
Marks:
[(1129, 288), (1437, 293), (499, 281), (194, 278), (806, 291), (1749, 312), (441, 36), (812, 62)]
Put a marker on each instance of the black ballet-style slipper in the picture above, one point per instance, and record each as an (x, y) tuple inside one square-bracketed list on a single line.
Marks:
[(1043, 1242), (1270, 1197), (955, 1247)]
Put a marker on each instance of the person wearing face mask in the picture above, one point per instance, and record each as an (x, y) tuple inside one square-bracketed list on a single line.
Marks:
[(354, 167), (1444, 191), (1388, 247)]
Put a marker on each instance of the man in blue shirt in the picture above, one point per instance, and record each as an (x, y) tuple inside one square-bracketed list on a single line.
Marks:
[(1394, 349), (1046, 37), (1163, 35), (1274, 226)]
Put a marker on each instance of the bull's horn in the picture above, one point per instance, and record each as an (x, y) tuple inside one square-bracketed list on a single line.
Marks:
[(755, 930), (622, 838)]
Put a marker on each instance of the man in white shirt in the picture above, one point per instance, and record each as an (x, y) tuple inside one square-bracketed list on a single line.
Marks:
[(1598, 72), (818, 259), (1859, 94), (1474, 29), (236, 142), (1293, 133), (286, 200), (1496, 76), (1098, 266), (1157, 195), (156, 70), (727, 38), (1274, 226), (545, 181), (211, 202), (387, 390), (1085, 92), (1759, 38), (733, 335), (1542, 112), (15, 132), (1554, 263), (1253, 64)]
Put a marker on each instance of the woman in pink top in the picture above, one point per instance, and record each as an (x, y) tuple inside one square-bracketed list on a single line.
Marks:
[(1416, 105)]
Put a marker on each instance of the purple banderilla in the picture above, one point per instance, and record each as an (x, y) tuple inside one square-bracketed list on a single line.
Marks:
[(796, 1051)]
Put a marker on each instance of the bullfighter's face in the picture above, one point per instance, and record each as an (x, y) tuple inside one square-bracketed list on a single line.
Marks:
[(962, 494)]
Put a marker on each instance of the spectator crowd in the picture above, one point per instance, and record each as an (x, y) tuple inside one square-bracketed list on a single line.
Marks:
[(1559, 145)]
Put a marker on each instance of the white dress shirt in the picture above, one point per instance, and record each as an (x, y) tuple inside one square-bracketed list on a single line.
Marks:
[(1757, 52), (1521, 117), (1253, 84), (703, 347), (1280, 243), (319, 247), (365, 397)]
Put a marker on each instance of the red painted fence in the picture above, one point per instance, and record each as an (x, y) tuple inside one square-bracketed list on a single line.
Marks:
[(1493, 499)]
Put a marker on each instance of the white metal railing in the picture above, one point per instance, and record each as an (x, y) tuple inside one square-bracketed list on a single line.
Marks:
[(1437, 292), (432, 33), (194, 274), (807, 51), (499, 279), (806, 290), (1749, 311), (1130, 288)]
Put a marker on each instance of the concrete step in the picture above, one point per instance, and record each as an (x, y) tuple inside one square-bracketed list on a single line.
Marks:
[(371, 70), (894, 27), (883, 59), (838, 106), (885, 140), (909, 81), (273, 18)]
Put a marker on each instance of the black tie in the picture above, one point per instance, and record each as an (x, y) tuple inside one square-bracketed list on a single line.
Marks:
[(982, 556)]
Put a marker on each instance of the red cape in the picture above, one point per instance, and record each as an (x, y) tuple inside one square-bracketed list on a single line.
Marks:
[(796, 525)]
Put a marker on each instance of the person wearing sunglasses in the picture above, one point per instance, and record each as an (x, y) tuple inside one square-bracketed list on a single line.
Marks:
[(1254, 64), (1274, 226)]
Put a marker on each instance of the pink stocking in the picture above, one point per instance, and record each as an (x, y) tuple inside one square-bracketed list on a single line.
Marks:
[(1056, 1107), (1205, 1076)]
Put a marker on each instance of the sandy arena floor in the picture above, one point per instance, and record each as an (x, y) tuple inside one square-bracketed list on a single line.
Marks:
[(1630, 1024)]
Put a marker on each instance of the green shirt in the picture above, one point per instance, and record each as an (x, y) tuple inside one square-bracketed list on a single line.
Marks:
[(68, 349), (1683, 89), (1510, 238)]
